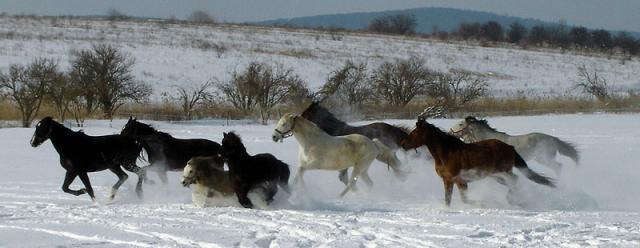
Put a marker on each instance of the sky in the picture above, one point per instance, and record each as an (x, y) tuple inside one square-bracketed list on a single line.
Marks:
[(607, 14)]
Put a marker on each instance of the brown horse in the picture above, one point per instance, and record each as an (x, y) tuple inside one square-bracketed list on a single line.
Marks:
[(460, 163)]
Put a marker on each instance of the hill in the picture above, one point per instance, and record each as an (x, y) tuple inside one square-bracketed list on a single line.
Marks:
[(445, 19)]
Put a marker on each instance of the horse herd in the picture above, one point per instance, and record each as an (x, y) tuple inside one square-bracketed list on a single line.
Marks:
[(471, 150)]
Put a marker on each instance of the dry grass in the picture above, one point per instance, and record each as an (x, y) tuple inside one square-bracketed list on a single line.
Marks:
[(488, 106)]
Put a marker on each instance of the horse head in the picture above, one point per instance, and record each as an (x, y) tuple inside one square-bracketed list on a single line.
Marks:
[(284, 128), (199, 169), (189, 174), (461, 128), (129, 129), (43, 131), (134, 128), (416, 137), (231, 144)]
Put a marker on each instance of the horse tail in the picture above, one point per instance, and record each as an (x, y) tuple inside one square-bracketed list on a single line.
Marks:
[(567, 149), (532, 175), (389, 157)]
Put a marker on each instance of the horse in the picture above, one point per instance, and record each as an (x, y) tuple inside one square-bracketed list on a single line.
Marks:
[(210, 178), (253, 172), (539, 147), (81, 153), (460, 163), (166, 153), (319, 150), (389, 135)]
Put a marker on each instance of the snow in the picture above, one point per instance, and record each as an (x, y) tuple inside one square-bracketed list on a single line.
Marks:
[(168, 54), (597, 203)]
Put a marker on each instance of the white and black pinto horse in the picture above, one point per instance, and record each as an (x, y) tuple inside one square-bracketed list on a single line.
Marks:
[(212, 184)]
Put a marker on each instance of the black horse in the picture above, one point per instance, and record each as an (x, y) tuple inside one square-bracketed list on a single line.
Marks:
[(166, 153), (261, 171), (80, 154), (389, 135)]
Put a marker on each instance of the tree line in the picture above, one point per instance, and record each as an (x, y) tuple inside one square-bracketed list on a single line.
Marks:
[(99, 78), (100, 81), (559, 36)]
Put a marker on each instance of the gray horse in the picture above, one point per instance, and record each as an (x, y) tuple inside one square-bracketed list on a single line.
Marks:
[(539, 147)]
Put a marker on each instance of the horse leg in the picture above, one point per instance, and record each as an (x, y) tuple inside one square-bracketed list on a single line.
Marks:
[(142, 175), (500, 180), (367, 179), (270, 192), (344, 176), (358, 169), (68, 179), (448, 190), (299, 176), (512, 181), (462, 187), (87, 185), (122, 176), (241, 192), (550, 161), (162, 173)]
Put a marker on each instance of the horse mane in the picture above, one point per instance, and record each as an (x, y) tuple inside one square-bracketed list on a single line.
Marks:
[(481, 122), (324, 117), (405, 129), (151, 129), (236, 140), (447, 138), (60, 126)]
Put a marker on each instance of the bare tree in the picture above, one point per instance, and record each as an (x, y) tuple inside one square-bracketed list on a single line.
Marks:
[(201, 17), (116, 15), (106, 71), (492, 31), (242, 90), (455, 89), (299, 94), (262, 86), (394, 24), (26, 86), (190, 97), (275, 88), (79, 103), (58, 92), (399, 82), (591, 82), (516, 33), (349, 84)]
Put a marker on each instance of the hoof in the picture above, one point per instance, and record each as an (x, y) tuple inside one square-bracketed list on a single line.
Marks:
[(112, 194)]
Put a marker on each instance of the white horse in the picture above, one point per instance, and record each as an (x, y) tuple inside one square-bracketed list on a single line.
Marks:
[(321, 151), (539, 147)]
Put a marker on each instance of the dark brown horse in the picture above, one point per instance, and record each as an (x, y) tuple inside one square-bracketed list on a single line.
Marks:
[(460, 163)]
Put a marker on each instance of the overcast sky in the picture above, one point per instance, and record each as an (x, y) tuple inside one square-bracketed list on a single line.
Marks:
[(608, 14)]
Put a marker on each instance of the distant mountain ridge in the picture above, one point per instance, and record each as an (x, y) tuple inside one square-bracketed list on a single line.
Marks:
[(444, 19)]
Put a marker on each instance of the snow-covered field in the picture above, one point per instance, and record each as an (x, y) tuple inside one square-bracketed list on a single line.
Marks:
[(596, 204), (168, 54)]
